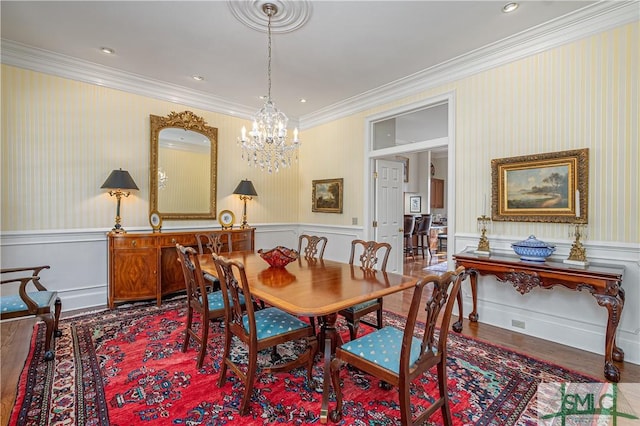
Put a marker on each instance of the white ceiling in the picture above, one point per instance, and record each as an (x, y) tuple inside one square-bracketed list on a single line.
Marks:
[(344, 50)]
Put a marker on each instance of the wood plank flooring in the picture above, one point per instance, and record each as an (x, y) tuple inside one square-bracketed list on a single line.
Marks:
[(15, 337)]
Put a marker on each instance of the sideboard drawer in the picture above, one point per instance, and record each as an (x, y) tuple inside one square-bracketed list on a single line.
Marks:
[(133, 242), (182, 239)]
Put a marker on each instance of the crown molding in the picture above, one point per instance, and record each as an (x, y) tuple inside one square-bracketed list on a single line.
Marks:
[(587, 21), (40, 60)]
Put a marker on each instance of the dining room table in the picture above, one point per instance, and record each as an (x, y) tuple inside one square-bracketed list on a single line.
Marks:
[(315, 288)]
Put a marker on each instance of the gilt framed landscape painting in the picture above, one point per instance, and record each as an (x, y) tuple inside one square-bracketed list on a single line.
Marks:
[(551, 187), (327, 195)]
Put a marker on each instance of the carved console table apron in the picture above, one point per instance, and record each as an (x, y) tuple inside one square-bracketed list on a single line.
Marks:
[(603, 282)]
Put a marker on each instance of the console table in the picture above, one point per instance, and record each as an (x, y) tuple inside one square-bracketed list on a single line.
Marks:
[(603, 282), (145, 266)]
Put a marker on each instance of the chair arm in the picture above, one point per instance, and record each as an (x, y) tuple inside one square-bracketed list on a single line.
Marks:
[(33, 275), (31, 304)]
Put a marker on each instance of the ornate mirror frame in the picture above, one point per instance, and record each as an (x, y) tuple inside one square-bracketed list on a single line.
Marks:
[(186, 120)]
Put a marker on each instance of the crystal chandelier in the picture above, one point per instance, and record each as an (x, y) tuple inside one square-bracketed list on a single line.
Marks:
[(266, 144)]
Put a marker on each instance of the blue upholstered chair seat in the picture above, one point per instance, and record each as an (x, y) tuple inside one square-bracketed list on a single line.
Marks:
[(361, 306), (14, 303), (272, 322), (383, 347), (216, 301)]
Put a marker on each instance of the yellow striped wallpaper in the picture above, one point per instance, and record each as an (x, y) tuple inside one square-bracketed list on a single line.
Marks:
[(581, 95), (61, 138)]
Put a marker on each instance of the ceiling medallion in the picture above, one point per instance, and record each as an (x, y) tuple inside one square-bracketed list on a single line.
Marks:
[(291, 14)]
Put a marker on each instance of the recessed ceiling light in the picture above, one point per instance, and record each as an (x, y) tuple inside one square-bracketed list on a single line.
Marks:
[(107, 50), (303, 100), (198, 77), (510, 7)]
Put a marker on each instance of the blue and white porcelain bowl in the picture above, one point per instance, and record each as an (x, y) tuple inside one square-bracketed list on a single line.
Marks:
[(533, 250)]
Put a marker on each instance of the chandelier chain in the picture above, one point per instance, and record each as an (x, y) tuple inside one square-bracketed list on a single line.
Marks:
[(265, 145), (269, 13)]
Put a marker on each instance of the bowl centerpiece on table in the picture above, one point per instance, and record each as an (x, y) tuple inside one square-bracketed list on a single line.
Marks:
[(533, 250), (278, 257)]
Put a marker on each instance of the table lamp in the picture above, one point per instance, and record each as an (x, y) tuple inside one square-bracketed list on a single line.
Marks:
[(119, 183), (246, 191)]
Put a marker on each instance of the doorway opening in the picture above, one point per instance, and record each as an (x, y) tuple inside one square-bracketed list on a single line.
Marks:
[(423, 133)]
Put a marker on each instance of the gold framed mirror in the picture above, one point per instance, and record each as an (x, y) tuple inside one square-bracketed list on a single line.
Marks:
[(183, 167)]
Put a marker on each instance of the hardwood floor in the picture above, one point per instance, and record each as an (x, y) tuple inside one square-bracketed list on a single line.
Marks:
[(16, 336)]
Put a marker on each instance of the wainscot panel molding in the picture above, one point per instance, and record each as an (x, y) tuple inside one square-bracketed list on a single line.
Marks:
[(572, 318), (79, 260)]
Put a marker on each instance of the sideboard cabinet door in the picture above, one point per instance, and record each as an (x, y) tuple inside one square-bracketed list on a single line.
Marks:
[(133, 269)]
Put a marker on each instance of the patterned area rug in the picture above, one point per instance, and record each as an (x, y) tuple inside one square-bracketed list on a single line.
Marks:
[(125, 367)]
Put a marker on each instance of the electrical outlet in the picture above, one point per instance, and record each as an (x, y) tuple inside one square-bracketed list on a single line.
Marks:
[(517, 324), (354, 220)]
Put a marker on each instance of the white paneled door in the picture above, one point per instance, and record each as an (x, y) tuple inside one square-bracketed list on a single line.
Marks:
[(389, 210)]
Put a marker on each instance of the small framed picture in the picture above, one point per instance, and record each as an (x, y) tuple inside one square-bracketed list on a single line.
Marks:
[(415, 204), (326, 195)]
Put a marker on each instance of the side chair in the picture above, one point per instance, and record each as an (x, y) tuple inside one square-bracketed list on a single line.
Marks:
[(369, 251), (209, 304), (397, 357), (313, 247), (41, 303), (257, 329)]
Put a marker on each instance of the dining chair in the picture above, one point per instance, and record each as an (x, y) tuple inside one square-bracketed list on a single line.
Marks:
[(257, 329), (208, 304), (368, 253), (397, 357), (424, 230), (41, 303), (313, 246), (213, 243)]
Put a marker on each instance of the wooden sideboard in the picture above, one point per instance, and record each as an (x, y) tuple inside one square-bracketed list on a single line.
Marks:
[(603, 282), (145, 266)]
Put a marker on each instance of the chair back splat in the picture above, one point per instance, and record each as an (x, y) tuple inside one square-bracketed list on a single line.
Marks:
[(398, 357), (257, 329), (313, 246)]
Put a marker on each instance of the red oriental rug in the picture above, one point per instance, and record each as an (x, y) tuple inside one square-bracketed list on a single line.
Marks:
[(125, 367)]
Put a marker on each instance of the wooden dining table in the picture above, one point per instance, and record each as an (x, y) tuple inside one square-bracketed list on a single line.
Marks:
[(319, 288)]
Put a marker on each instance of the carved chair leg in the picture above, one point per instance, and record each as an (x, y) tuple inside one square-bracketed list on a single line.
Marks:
[(203, 341), (353, 328), (312, 346), (444, 393), (48, 342), (225, 356), (56, 317), (187, 331), (336, 414), (248, 382)]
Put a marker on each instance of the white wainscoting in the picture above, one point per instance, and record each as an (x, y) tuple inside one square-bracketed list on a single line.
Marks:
[(78, 260), (573, 318)]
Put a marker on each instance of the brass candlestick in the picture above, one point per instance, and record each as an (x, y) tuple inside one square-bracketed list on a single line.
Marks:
[(484, 223), (578, 253)]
